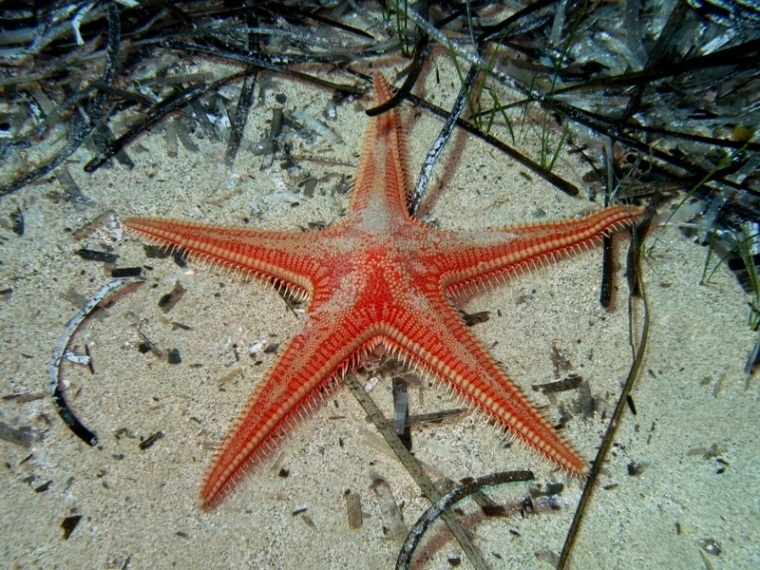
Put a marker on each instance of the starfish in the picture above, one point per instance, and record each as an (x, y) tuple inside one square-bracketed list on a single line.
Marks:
[(379, 277)]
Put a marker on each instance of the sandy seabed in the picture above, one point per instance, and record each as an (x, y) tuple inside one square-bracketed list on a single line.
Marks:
[(690, 443)]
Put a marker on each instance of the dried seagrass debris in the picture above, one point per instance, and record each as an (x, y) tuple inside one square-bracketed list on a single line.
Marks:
[(61, 346), (401, 411), (240, 119), (23, 436), (433, 417), (17, 222), (173, 356), (168, 301), (82, 118), (472, 319), (148, 345), (393, 521), (25, 397), (354, 509), (69, 524), (149, 441), (126, 272), (569, 382), (444, 503), (95, 255)]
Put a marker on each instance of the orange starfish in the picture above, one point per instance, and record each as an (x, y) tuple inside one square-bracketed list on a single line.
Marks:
[(381, 277)]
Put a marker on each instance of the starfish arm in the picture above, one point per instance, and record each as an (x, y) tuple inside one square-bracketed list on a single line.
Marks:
[(285, 258), (445, 347), (382, 189), (467, 259), (324, 349)]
